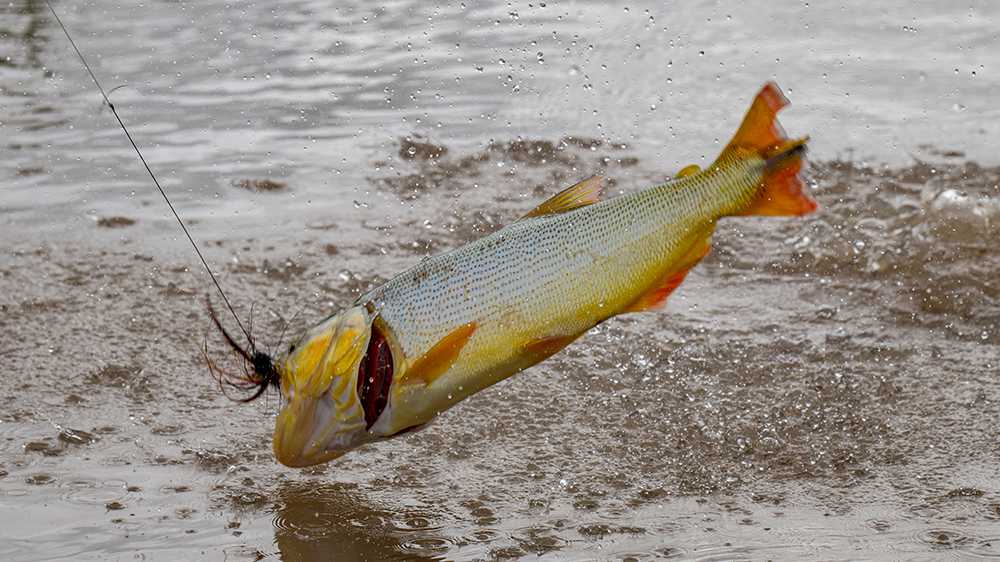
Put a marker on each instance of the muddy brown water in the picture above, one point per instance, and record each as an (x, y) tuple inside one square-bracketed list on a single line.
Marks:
[(820, 388)]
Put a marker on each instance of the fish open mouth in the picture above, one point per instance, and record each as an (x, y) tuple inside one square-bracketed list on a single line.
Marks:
[(375, 377)]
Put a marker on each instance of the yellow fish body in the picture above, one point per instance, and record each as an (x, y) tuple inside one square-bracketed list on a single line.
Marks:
[(464, 320)]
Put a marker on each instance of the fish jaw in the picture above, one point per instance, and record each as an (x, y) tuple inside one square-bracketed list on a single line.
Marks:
[(322, 416)]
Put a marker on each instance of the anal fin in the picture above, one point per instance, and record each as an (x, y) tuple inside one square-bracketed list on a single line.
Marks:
[(540, 349), (656, 299)]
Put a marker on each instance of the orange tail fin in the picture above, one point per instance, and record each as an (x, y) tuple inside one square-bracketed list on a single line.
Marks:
[(782, 189)]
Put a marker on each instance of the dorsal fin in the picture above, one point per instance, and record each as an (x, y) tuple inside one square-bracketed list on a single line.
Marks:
[(687, 171), (582, 194)]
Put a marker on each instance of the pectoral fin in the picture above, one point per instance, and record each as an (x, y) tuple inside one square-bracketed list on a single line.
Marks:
[(438, 358)]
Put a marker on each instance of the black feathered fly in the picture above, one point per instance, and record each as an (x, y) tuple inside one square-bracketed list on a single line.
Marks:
[(258, 370)]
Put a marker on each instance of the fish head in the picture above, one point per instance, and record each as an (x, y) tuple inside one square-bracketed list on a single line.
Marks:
[(323, 415)]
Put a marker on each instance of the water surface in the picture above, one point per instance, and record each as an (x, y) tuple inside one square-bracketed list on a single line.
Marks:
[(820, 388)]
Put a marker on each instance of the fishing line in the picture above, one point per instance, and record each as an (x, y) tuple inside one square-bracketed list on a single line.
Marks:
[(151, 175)]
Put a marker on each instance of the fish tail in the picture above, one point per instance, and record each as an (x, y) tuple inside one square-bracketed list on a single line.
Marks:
[(782, 190)]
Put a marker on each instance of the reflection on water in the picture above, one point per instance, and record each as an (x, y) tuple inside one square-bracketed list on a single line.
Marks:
[(819, 388), (323, 521)]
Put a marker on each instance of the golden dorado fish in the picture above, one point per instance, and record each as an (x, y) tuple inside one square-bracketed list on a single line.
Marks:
[(467, 319)]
